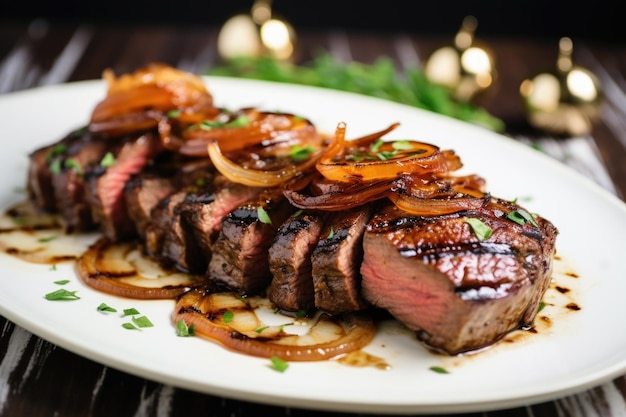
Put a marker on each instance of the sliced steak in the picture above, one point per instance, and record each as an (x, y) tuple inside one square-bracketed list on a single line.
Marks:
[(458, 292), (202, 216), (39, 178), (168, 237), (291, 288), (73, 156), (158, 180), (107, 178), (336, 261), (240, 260)]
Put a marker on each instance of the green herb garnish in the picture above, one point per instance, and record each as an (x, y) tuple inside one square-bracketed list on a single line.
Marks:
[(228, 316), (239, 121), (278, 364), (71, 163), (58, 149), (62, 295), (521, 217), (46, 239), (106, 308), (439, 370), (263, 216), (142, 321), (300, 153), (130, 312), (480, 229), (107, 160), (62, 282), (260, 329), (183, 330)]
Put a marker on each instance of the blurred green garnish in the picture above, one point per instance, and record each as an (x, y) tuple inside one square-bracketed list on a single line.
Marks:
[(380, 79)]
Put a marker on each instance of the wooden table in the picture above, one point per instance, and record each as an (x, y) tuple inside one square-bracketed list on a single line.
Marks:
[(38, 378)]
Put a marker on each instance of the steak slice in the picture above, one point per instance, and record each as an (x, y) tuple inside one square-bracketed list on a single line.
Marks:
[(291, 288), (72, 158), (167, 237), (336, 261), (240, 260), (459, 293), (107, 178), (202, 215), (158, 180)]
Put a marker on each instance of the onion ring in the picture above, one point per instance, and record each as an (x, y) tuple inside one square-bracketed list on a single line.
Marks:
[(244, 332), (120, 269)]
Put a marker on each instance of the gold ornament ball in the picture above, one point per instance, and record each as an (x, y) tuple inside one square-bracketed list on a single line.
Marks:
[(567, 100)]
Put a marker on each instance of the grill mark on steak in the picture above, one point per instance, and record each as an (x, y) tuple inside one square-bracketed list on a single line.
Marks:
[(458, 294), (240, 260), (336, 260), (291, 288), (202, 215)]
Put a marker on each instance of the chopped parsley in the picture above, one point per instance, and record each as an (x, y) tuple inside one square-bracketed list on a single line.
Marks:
[(522, 217), (480, 229), (263, 216), (182, 330), (142, 321), (106, 308), (239, 121), (107, 160), (62, 295), (300, 153), (228, 316), (71, 163), (130, 312), (62, 282), (439, 370), (278, 364)]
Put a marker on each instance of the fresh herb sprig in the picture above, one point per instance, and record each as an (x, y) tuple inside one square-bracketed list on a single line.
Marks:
[(380, 79)]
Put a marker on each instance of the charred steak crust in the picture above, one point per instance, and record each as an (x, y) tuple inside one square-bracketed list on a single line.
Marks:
[(458, 293), (240, 261), (336, 260), (291, 288)]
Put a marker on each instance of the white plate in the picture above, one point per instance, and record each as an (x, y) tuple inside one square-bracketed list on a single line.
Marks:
[(579, 350)]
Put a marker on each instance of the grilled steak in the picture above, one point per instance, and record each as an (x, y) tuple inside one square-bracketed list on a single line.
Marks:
[(291, 288), (159, 179), (61, 174), (459, 293), (336, 260), (239, 259), (202, 215)]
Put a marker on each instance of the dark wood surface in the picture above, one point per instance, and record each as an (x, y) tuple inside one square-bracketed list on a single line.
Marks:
[(38, 378)]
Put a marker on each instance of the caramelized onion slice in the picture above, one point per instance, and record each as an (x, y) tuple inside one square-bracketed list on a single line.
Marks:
[(367, 159), (307, 193), (248, 127), (121, 269), (254, 177), (436, 206), (253, 328), (138, 100), (32, 236)]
